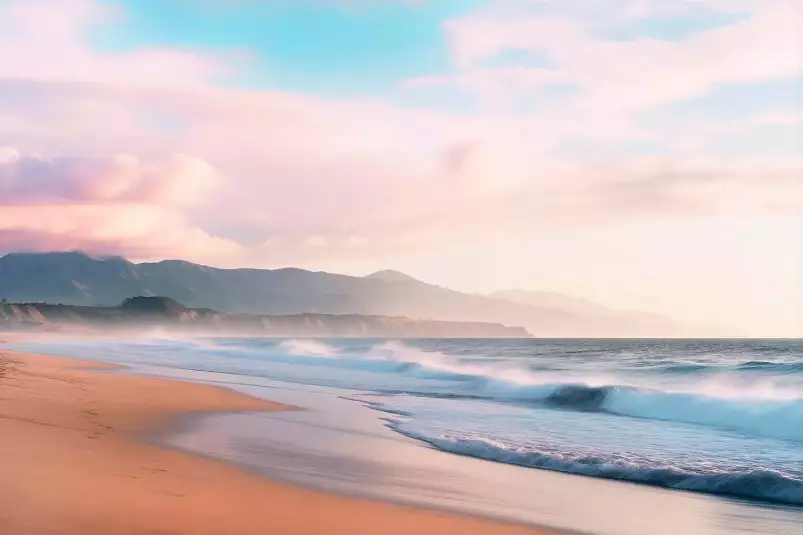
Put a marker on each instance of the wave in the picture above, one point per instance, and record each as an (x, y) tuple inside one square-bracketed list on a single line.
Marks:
[(774, 418), (758, 410), (766, 485), (764, 417), (692, 368), (764, 412), (777, 367), (777, 419), (312, 348), (585, 398), (684, 368)]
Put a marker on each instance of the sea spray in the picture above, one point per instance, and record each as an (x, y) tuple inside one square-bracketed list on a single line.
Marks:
[(307, 347)]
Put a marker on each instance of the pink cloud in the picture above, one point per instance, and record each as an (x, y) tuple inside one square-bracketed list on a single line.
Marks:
[(52, 34), (620, 77), (115, 204), (178, 180), (140, 231)]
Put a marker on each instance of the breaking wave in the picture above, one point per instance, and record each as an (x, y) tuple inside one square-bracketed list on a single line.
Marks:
[(767, 485), (759, 411), (312, 348)]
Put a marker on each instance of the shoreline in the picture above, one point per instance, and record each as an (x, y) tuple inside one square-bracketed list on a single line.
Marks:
[(78, 464)]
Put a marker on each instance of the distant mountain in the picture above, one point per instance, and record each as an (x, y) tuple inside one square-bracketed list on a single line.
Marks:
[(552, 300), (78, 279), (146, 312), (605, 319), (390, 275)]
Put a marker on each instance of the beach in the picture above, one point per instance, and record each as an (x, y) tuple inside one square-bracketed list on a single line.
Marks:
[(75, 460)]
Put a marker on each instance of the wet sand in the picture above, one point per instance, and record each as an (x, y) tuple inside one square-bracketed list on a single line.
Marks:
[(71, 463)]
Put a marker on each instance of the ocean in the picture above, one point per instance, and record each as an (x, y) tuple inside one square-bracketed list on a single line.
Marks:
[(722, 418)]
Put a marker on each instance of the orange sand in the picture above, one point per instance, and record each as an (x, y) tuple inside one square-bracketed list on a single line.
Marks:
[(69, 464)]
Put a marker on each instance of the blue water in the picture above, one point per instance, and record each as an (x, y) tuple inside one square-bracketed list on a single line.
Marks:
[(718, 417)]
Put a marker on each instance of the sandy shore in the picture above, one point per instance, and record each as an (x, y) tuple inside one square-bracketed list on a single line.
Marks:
[(69, 464)]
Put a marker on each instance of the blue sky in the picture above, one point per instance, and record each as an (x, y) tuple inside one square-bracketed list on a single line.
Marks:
[(332, 48)]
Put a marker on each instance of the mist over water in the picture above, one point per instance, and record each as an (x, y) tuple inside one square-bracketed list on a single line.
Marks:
[(721, 417)]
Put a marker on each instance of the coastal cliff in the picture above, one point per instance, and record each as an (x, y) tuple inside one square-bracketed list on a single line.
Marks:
[(138, 312)]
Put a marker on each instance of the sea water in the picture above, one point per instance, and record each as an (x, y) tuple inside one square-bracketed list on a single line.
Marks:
[(717, 417)]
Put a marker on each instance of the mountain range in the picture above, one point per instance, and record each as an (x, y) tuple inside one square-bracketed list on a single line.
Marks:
[(75, 278)]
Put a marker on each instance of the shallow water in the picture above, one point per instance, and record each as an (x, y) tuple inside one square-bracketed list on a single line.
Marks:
[(713, 417)]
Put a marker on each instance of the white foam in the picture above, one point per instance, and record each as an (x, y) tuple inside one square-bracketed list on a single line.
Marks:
[(303, 347)]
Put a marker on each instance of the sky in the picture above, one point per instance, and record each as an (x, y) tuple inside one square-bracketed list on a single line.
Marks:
[(645, 154)]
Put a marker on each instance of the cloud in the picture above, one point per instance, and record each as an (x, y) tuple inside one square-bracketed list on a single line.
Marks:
[(624, 76), (53, 36), (102, 230), (180, 206), (301, 171), (178, 180), (657, 188), (298, 166), (114, 204)]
